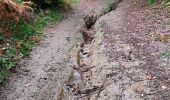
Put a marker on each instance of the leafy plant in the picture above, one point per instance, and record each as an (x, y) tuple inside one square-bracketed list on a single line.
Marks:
[(167, 3)]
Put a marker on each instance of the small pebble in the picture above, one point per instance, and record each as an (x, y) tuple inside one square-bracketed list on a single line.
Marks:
[(28, 84), (163, 87), (7, 44)]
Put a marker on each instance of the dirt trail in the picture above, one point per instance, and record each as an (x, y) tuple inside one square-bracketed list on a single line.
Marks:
[(43, 75), (113, 57)]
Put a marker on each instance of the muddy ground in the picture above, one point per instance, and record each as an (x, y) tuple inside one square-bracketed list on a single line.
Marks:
[(116, 55)]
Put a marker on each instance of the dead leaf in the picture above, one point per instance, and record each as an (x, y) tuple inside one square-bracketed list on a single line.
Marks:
[(1, 52)]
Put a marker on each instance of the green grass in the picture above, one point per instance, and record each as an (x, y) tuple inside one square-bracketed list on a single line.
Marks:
[(24, 36), (107, 4), (75, 2), (166, 53)]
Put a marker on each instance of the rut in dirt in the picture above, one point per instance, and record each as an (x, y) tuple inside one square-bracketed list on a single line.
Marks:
[(119, 59)]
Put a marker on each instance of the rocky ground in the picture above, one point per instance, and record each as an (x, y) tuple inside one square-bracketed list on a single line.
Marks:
[(93, 55)]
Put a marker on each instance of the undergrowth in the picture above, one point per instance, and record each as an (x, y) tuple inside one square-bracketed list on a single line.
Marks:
[(25, 35)]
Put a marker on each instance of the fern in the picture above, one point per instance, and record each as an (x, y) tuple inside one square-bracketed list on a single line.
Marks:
[(11, 10)]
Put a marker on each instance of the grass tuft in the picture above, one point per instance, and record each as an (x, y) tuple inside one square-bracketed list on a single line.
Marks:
[(107, 5)]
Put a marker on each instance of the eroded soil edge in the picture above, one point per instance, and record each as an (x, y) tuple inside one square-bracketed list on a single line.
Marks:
[(115, 62)]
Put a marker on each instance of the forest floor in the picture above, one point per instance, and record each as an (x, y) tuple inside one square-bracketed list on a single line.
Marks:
[(123, 55)]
